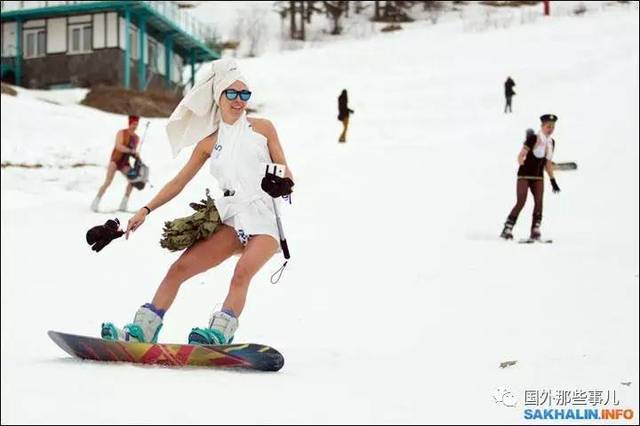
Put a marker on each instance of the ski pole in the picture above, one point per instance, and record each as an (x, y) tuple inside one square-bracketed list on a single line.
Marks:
[(275, 277), (283, 239), (144, 135)]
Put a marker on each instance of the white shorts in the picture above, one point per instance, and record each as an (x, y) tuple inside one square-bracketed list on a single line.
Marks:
[(249, 219)]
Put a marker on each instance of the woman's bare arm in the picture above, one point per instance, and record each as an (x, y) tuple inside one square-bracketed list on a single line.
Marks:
[(176, 185), (199, 156)]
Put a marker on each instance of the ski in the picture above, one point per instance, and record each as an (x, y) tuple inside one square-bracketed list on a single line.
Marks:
[(534, 240)]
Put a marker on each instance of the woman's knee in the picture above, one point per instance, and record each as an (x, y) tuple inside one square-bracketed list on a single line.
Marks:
[(241, 276), (519, 205), (108, 180), (181, 268)]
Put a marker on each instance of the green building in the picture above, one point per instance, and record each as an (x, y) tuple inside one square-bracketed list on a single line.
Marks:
[(134, 44)]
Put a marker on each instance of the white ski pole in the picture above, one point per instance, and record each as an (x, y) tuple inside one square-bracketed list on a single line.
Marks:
[(283, 239), (278, 169)]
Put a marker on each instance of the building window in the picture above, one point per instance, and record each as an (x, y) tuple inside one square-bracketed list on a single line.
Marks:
[(153, 56), (133, 43), (80, 38), (35, 43)]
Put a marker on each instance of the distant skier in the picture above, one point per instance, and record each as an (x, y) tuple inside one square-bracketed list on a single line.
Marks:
[(343, 114), (508, 93), (535, 157), (212, 116), (125, 147)]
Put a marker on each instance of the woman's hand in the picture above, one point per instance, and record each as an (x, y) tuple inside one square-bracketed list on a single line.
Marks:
[(136, 221)]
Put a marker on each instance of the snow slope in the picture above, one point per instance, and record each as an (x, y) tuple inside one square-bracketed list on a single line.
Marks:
[(400, 302)]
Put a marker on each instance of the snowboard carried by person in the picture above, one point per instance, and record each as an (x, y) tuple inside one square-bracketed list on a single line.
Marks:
[(570, 165)]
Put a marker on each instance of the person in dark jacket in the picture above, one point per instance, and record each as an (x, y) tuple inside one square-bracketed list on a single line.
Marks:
[(508, 93), (343, 114)]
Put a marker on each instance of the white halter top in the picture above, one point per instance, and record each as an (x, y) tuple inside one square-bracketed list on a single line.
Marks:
[(238, 163)]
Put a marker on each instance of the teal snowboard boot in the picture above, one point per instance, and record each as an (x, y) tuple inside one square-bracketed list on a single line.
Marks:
[(145, 328), (222, 328)]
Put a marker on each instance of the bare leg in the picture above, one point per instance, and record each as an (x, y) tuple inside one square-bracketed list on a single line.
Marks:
[(258, 251), (124, 171), (345, 126), (111, 172), (127, 192), (201, 256)]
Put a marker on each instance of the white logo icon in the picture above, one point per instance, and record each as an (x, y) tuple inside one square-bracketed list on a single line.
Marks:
[(505, 397)]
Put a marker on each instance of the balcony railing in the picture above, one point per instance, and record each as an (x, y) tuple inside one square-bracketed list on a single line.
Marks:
[(185, 20)]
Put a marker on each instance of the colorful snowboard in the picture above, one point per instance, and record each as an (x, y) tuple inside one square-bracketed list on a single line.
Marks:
[(249, 356)]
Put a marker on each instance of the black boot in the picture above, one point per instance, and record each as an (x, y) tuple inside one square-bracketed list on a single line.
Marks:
[(507, 231), (535, 227)]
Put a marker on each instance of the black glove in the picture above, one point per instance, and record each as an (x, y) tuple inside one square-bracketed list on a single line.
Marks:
[(276, 186), (555, 186), (351, 111), (99, 236)]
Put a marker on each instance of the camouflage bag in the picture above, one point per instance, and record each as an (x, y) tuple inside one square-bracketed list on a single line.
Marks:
[(183, 232)]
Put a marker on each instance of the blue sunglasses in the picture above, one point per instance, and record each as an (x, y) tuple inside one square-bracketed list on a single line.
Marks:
[(232, 94)]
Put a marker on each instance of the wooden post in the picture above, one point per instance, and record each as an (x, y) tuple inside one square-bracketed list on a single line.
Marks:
[(168, 60), (292, 13), (18, 67), (127, 48), (142, 34)]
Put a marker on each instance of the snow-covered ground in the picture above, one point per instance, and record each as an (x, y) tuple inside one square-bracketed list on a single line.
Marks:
[(228, 18), (400, 302)]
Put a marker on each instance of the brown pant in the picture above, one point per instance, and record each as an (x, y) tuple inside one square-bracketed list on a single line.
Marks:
[(536, 186), (345, 126)]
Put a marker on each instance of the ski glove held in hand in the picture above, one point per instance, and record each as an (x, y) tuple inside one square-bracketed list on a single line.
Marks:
[(99, 236), (276, 186), (555, 186)]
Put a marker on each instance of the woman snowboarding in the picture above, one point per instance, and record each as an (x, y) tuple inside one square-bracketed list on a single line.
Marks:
[(212, 116), (126, 146), (534, 158)]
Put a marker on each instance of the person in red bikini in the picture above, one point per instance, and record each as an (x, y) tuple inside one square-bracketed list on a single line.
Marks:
[(127, 142)]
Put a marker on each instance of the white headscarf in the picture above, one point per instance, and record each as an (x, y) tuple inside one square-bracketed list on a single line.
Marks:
[(197, 115)]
